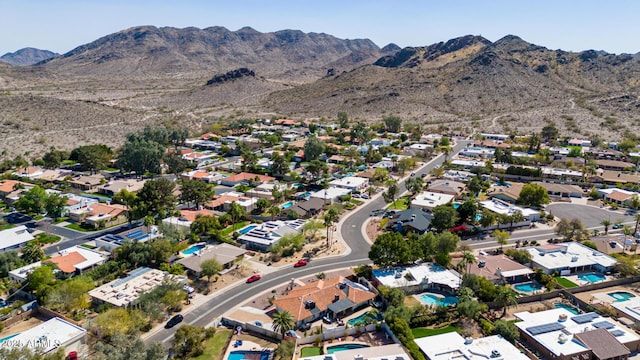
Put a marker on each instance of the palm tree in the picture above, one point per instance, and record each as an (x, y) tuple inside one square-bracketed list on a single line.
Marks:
[(627, 231), (329, 218), (283, 321), (606, 224), (274, 211), (236, 211), (637, 216), (371, 190), (505, 297), (468, 258), (516, 218)]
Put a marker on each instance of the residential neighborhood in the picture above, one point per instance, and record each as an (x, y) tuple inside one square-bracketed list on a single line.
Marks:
[(327, 239)]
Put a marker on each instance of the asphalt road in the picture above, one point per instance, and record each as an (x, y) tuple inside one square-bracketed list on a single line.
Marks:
[(590, 216), (350, 231), (73, 237)]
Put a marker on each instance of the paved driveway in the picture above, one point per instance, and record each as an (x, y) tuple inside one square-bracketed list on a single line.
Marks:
[(591, 216)]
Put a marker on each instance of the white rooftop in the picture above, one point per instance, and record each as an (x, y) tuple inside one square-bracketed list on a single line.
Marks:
[(392, 351), (501, 207), (550, 339), (330, 193), (352, 182), (14, 237), (465, 163), (123, 292), (48, 335), (560, 172), (418, 274), (630, 307), (453, 346), (554, 256), (429, 200)]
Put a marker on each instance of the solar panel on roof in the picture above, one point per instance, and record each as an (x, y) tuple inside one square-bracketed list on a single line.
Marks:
[(545, 328), (603, 325), (617, 332), (585, 318)]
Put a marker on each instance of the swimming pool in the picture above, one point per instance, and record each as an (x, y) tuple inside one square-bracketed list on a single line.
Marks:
[(592, 278), (528, 287), (432, 299), (362, 318), (8, 337), (249, 355), (569, 308), (246, 229), (287, 205), (343, 347), (621, 295), (194, 248)]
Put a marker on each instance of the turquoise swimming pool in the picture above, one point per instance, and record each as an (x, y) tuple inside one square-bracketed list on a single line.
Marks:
[(246, 229), (343, 347), (287, 205), (194, 248), (528, 287), (249, 355), (8, 337), (621, 295), (362, 318), (569, 308), (592, 278), (431, 299)]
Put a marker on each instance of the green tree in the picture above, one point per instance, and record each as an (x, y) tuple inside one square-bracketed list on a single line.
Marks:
[(54, 158), (237, 212), (380, 175), (470, 309), (9, 260), (343, 120), (360, 132), (549, 134), (313, 148), (533, 195), (394, 296), (32, 252), (414, 184), (392, 123), (140, 155), (195, 191), (330, 217), (390, 249), (32, 200), (130, 200), (71, 295), (262, 205), (54, 205), (188, 341), (176, 164), (279, 165), (392, 191), (26, 353), (606, 224), (474, 185), (506, 298), (571, 230), (274, 211), (444, 217), (210, 268), (283, 321), (40, 281), (156, 197), (467, 210), (205, 224), (121, 347), (502, 237), (286, 349), (92, 157), (311, 227)]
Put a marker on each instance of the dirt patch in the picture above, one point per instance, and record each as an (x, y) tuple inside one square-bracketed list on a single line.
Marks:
[(373, 229), (23, 326)]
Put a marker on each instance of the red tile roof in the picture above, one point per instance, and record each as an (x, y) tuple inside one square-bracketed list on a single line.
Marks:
[(190, 215), (67, 263)]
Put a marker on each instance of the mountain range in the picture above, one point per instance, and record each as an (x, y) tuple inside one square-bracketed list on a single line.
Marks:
[(180, 77), (27, 56)]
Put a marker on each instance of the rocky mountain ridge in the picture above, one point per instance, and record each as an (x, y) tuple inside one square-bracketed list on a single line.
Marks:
[(27, 56)]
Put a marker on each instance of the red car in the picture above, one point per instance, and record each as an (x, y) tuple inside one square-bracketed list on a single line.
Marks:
[(253, 278), (300, 262)]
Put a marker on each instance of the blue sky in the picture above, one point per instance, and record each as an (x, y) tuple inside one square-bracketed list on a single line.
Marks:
[(571, 25)]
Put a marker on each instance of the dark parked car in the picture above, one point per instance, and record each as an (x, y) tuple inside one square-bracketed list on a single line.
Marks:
[(174, 321)]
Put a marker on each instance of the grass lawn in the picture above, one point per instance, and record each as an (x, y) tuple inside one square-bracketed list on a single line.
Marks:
[(214, 347), (310, 351), (87, 246), (6, 226), (77, 227), (61, 219), (400, 204), (44, 238), (234, 227), (424, 332), (565, 283)]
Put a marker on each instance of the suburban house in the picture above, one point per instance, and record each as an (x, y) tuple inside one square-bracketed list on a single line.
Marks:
[(569, 258), (262, 236), (561, 190), (225, 254), (477, 152), (496, 137), (7, 187), (54, 175), (52, 335), (71, 261), (352, 183), (126, 291), (100, 215), (410, 220), (614, 165), (308, 207), (452, 345), (381, 352), (579, 142), (504, 208), (245, 178), (509, 193), (617, 196), (330, 195), (14, 238), (77, 202), (204, 175), (30, 172), (496, 268), (419, 278), (629, 308), (560, 334), (109, 242), (615, 177), (183, 222), (444, 186), (115, 186), (427, 200), (332, 298), (222, 202), (87, 182), (265, 191)]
